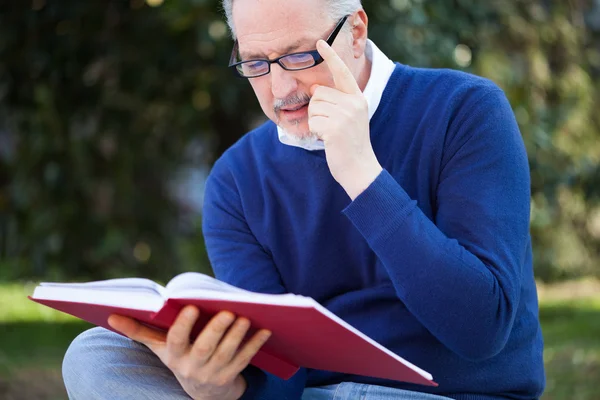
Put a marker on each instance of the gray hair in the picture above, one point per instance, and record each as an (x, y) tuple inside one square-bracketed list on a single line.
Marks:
[(336, 10)]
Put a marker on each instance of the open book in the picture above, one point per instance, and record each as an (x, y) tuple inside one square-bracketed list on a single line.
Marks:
[(304, 333)]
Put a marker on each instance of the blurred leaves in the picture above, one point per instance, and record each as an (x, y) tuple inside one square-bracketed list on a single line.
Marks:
[(103, 104)]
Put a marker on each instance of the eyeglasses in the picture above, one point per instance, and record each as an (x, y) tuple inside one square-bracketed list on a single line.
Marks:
[(289, 62)]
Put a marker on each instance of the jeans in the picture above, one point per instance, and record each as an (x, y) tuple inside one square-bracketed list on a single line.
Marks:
[(100, 364)]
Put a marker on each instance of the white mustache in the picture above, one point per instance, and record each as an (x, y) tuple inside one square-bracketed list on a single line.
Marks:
[(293, 100)]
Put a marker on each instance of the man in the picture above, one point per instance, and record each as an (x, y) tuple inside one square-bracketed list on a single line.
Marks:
[(396, 197)]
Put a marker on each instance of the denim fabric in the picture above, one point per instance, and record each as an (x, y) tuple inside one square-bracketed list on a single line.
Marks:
[(101, 365), (357, 391)]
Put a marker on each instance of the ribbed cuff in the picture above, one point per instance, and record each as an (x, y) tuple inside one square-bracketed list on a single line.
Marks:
[(381, 209), (255, 379), (265, 386)]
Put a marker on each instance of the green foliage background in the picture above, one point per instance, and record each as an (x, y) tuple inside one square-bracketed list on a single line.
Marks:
[(104, 106)]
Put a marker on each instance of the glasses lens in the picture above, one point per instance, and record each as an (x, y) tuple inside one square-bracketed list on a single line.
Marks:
[(298, 61), (253, 68)]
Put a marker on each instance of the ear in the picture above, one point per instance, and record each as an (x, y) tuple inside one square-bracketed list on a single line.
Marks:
[(360, 24)]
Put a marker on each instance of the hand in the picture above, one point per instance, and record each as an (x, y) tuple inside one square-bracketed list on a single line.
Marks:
[(208, 369), (340, 117)]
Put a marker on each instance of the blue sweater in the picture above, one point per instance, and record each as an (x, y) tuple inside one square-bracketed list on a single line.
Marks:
[(433, 260)]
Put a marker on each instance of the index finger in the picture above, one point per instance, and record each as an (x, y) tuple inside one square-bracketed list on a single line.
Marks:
[(343, 78), (136, 331), (178, 337)]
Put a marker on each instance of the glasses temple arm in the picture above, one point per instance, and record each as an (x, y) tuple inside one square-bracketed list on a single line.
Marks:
[(337, 30), (232, 59)]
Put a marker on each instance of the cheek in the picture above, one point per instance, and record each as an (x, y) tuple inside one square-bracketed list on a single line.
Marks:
[(262, 90), (318, 75)]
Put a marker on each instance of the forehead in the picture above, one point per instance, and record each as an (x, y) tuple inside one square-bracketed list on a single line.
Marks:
[(269, 26)]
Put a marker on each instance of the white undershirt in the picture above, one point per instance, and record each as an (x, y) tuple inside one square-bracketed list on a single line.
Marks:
[(381, 71)]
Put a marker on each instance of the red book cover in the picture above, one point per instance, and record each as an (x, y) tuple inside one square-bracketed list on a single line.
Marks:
[(302, 336)]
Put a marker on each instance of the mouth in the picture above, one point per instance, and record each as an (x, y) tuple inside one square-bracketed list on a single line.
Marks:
[(295, 112), (294, 108)]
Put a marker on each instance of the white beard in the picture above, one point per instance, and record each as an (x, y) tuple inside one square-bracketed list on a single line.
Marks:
[(307, 142)]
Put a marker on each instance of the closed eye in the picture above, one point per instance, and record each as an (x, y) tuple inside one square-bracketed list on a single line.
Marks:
[(300, 58)]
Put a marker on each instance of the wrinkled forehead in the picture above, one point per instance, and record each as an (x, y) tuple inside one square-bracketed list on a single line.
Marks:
[(271, 26)]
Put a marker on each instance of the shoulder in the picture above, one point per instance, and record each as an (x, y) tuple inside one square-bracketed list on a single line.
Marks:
[(448, 98), (456, 108), (449, 87), (474, 114), (439, 98), (446, 80)]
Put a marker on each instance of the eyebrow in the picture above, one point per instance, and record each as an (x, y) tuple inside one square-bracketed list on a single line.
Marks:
[(289, 49)]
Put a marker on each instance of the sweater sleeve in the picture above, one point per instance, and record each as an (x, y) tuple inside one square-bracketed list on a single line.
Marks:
[(460, 274), (238, 259)]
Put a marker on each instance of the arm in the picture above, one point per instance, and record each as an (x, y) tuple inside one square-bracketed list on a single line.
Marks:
[(238, 259), (461, 275)]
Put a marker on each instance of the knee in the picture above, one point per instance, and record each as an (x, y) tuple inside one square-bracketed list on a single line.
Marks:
[(82, 363)]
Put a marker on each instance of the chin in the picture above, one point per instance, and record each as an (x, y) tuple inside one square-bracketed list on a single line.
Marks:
[(299, 131)]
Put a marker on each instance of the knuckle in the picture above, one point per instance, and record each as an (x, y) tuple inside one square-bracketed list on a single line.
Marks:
[(215, 326), (203, 380), (222, 381), (176, 340), (220, 327), (253, 347), (221, 324), (205, 350), (186, 373), (356, 102), (244, 359), (219, 358), (187, 319), (361, 102), (187, 316), (243, 324)]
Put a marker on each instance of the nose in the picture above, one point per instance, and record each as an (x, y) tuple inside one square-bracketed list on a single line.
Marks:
[(283, 83)]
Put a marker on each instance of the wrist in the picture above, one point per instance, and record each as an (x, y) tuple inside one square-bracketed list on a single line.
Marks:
[(360, 181), (240, 386)]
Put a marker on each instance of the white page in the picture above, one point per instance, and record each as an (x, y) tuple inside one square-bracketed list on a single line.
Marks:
[(287, 299), (200, 282), (124, 284), (138, 299), (195, 285)]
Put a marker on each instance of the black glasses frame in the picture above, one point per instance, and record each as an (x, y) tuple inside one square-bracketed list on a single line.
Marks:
[(314, 54)]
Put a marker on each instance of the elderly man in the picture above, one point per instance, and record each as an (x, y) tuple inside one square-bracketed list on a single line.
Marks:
[(397, 197)]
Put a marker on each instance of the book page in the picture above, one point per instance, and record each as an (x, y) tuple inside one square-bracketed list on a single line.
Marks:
[(197, 281), (200, 286), (133, 294), (114, 285)]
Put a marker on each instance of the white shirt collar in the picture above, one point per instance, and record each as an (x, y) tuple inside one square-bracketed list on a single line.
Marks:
[(381, 71)]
